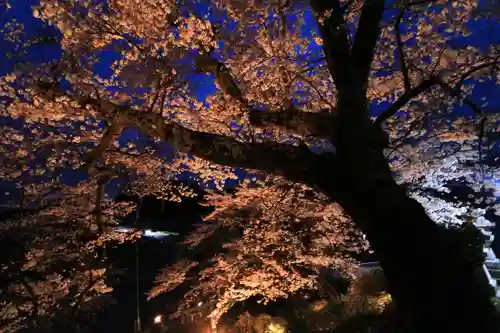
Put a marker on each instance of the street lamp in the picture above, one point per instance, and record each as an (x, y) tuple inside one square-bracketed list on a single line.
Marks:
[(158, 319)]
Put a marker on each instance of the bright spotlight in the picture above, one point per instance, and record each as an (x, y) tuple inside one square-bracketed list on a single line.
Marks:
[(158, 319), (200, 303)]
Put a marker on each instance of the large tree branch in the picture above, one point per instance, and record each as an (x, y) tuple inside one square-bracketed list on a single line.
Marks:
[(405, 98), (319, 124), (113, 131), (206, 64), (474, 69), (401, 55), (335, 41), (423, 86), (291, 120), (366, 38), (292, 162), (467, 101), (296, 163)]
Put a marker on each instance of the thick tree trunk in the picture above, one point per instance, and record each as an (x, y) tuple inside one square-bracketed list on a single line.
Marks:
[(434, 284)]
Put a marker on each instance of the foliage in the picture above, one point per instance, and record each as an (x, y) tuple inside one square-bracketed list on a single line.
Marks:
[(263, 323), (471, 240), (453, 188), (57, 277), (358, 303), (289, 233), (366, 296)]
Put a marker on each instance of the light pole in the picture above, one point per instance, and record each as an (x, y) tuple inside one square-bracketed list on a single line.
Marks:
[(138, 327)]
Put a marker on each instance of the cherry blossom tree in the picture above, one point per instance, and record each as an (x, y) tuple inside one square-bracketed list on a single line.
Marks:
[(289, 235), (431, 169), (278, 224), (57, 277), (292, 99)]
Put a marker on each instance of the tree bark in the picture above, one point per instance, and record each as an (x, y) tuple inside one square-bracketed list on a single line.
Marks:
[(434, 286)]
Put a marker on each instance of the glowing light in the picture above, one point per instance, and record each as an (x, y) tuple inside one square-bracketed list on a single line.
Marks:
[(276, 328), (200, 303), (154, 234), (319, 305), (146, 232), (124, 229), (158, 319)]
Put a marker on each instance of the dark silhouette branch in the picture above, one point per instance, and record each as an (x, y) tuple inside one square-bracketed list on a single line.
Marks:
[(113, 131), (292, 162), (103, 176), (366, 38), (206, 64), (456, 94), (81, 296), (427, 84), (335, 41), (401, 54), (310, 64), (405, 98), (474, 69), (17, 212)]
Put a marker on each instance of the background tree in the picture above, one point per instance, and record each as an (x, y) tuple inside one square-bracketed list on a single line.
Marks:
[(54, 273), (448, 175)]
